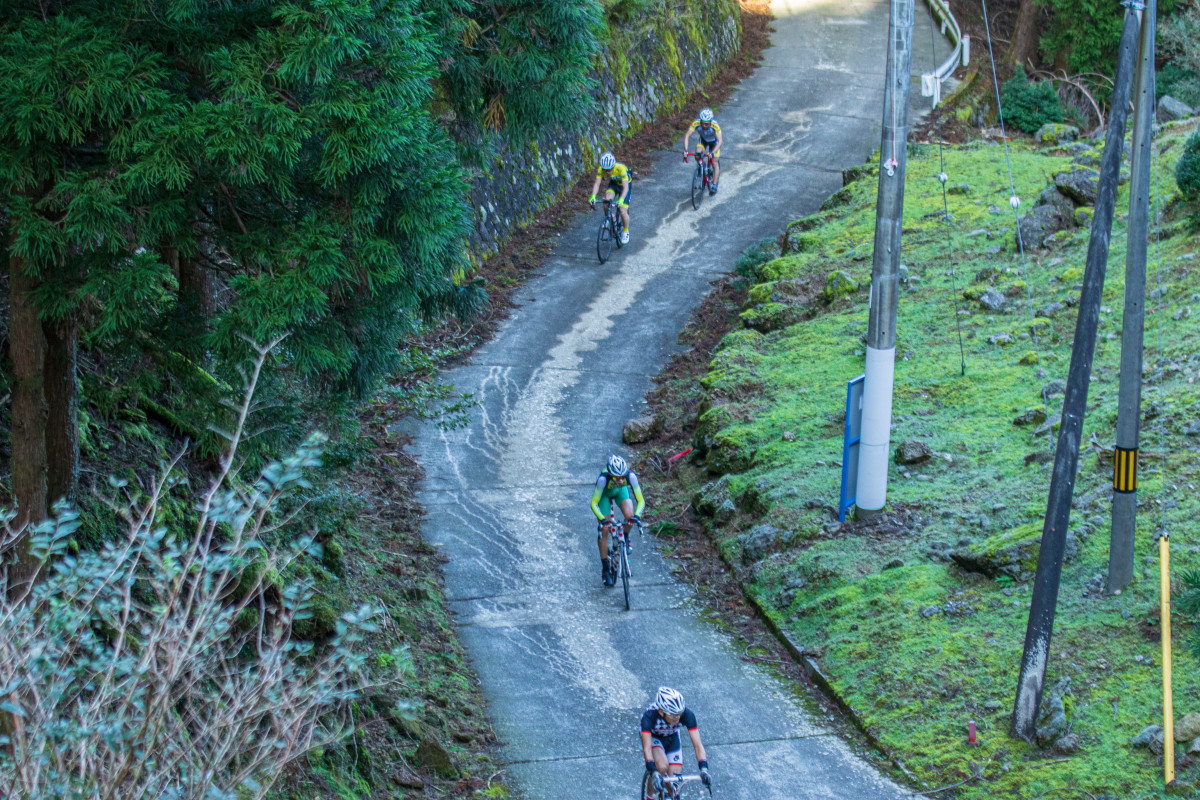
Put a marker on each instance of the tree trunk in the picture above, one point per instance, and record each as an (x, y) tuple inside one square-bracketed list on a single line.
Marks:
[(1023, 49), (62, 402), (27, 348)]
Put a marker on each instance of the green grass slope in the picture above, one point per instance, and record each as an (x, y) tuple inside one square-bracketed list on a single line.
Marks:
[(914, 643)]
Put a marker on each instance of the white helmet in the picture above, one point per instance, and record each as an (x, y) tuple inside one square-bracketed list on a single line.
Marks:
[(617, 466), (608, 161), (706, 115), (668, 701)]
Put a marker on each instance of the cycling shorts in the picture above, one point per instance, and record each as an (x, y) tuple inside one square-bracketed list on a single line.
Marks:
[(672, 747), (615, 188), (608, 496), (710, 147)]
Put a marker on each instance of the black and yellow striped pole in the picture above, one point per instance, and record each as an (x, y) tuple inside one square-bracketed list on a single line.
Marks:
[(1129, 396)]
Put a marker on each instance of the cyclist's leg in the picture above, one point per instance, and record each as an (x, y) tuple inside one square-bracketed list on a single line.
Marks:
[(675, 759), (627, 510), (605, 506), (716, 165), (625, 208)]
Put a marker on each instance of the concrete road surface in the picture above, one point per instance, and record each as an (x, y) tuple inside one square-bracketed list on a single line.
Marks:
[(565, 669)]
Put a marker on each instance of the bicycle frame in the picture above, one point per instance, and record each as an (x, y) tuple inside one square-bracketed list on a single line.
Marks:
[(676, 781)]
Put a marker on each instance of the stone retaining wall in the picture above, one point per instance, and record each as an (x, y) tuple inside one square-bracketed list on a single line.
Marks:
[(648, 67)]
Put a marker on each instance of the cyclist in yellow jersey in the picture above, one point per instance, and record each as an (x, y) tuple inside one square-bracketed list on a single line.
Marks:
[(710, 139), (620, 186)]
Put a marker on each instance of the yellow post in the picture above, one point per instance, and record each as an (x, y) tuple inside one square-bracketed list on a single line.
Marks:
[(1164, 562)]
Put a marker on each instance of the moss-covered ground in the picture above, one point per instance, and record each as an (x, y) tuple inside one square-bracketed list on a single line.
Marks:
[(917, 646)]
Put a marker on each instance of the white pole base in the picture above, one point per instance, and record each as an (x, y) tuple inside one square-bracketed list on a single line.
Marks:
[(875, 443)]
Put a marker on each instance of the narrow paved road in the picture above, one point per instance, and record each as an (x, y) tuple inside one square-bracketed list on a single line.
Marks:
[(566, 670)]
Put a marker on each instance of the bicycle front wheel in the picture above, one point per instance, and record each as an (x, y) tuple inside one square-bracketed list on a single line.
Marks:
[(698, 186), (604, 240), (625, 571), (646, 789)]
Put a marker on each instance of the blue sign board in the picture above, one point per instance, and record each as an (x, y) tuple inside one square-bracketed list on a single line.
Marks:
[(854, 395)]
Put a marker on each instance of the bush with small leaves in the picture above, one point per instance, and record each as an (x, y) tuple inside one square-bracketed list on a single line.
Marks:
[(1187, 170), (164, 663), (1028, 106)]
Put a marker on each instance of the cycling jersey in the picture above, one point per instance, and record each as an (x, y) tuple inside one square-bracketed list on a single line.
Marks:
[(657, 726), (709, 135), (610, 488), (619, 173)]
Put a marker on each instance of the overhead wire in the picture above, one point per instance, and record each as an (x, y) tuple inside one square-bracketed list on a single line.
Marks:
[(1015, 203)]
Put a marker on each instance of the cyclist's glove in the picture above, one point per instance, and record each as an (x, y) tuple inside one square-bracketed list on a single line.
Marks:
[(707, 781), (623, 203), (592, 199), (650, 767)]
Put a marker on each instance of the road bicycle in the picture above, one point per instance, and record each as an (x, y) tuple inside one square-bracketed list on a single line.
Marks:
[(618, 553), (610, 230), (665, 787), (702, 177)]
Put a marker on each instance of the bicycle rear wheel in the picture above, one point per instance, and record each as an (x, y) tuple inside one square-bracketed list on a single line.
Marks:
[(698, 185), (624, 571), (604, 240)]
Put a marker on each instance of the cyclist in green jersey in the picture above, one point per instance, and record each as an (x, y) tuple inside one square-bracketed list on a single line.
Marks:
[(620, 186), (614, 484)]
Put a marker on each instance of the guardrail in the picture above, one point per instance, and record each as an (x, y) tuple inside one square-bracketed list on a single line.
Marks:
[(931, 82)]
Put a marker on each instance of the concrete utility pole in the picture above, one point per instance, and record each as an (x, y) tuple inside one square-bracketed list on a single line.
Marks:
[(1066, 454), (1129, 402), (885, 267)]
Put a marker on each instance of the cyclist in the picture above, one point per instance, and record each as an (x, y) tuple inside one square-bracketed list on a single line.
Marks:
[(620, 186), (614, 483), (661, 744), (710, 139)]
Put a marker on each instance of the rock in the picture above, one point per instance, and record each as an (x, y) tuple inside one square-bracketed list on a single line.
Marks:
[(1081, 185), (1003, 337), (1187, 727), (894, 563), (788, 436), (1195, 748), (431, 753), (1193, 429), (1054, 133), (1083, 216), (1052, 717), (1056, 386), (1151, 737), (758, 542), (912, 451), (986, 275), (639, 430), (1031, 416), (959, 188), (1048, 426), (1170, 109), (1051, 196), (992, 705), (838, 284), (1050, 310), (712, 496), (725, 512), (1012, 553), (992, 300), (995, 209), (931, 611), (1040, 222), (773, 316), (1066, 745)]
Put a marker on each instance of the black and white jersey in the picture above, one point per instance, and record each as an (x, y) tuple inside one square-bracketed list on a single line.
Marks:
[(654, 724)]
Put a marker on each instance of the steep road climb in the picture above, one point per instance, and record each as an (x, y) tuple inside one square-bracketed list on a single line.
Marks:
[(566, 670)]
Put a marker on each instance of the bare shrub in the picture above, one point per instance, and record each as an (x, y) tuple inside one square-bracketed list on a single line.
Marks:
[(163, 665)]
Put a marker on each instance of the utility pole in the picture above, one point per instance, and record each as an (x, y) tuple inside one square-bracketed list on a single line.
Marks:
[(1066, 454), (1129, 398), (885, 267)]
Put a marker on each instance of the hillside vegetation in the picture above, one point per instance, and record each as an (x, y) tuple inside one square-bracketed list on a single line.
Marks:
[(917, 617)]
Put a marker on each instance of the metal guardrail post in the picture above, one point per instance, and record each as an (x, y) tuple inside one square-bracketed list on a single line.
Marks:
[(931, 82)]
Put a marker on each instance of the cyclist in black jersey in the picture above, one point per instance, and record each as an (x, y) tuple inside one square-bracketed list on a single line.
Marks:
[(661, 744)]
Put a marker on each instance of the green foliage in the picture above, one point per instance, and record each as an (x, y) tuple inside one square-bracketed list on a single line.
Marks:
[(755, 256), (1189, 604), (1029, 106), (1187, 170), (1180, 38), (1084, 34), (516, 66), (85, 652)]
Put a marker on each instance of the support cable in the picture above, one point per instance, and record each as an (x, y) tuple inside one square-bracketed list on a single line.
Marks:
[(1015, 203), (946, 218)]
